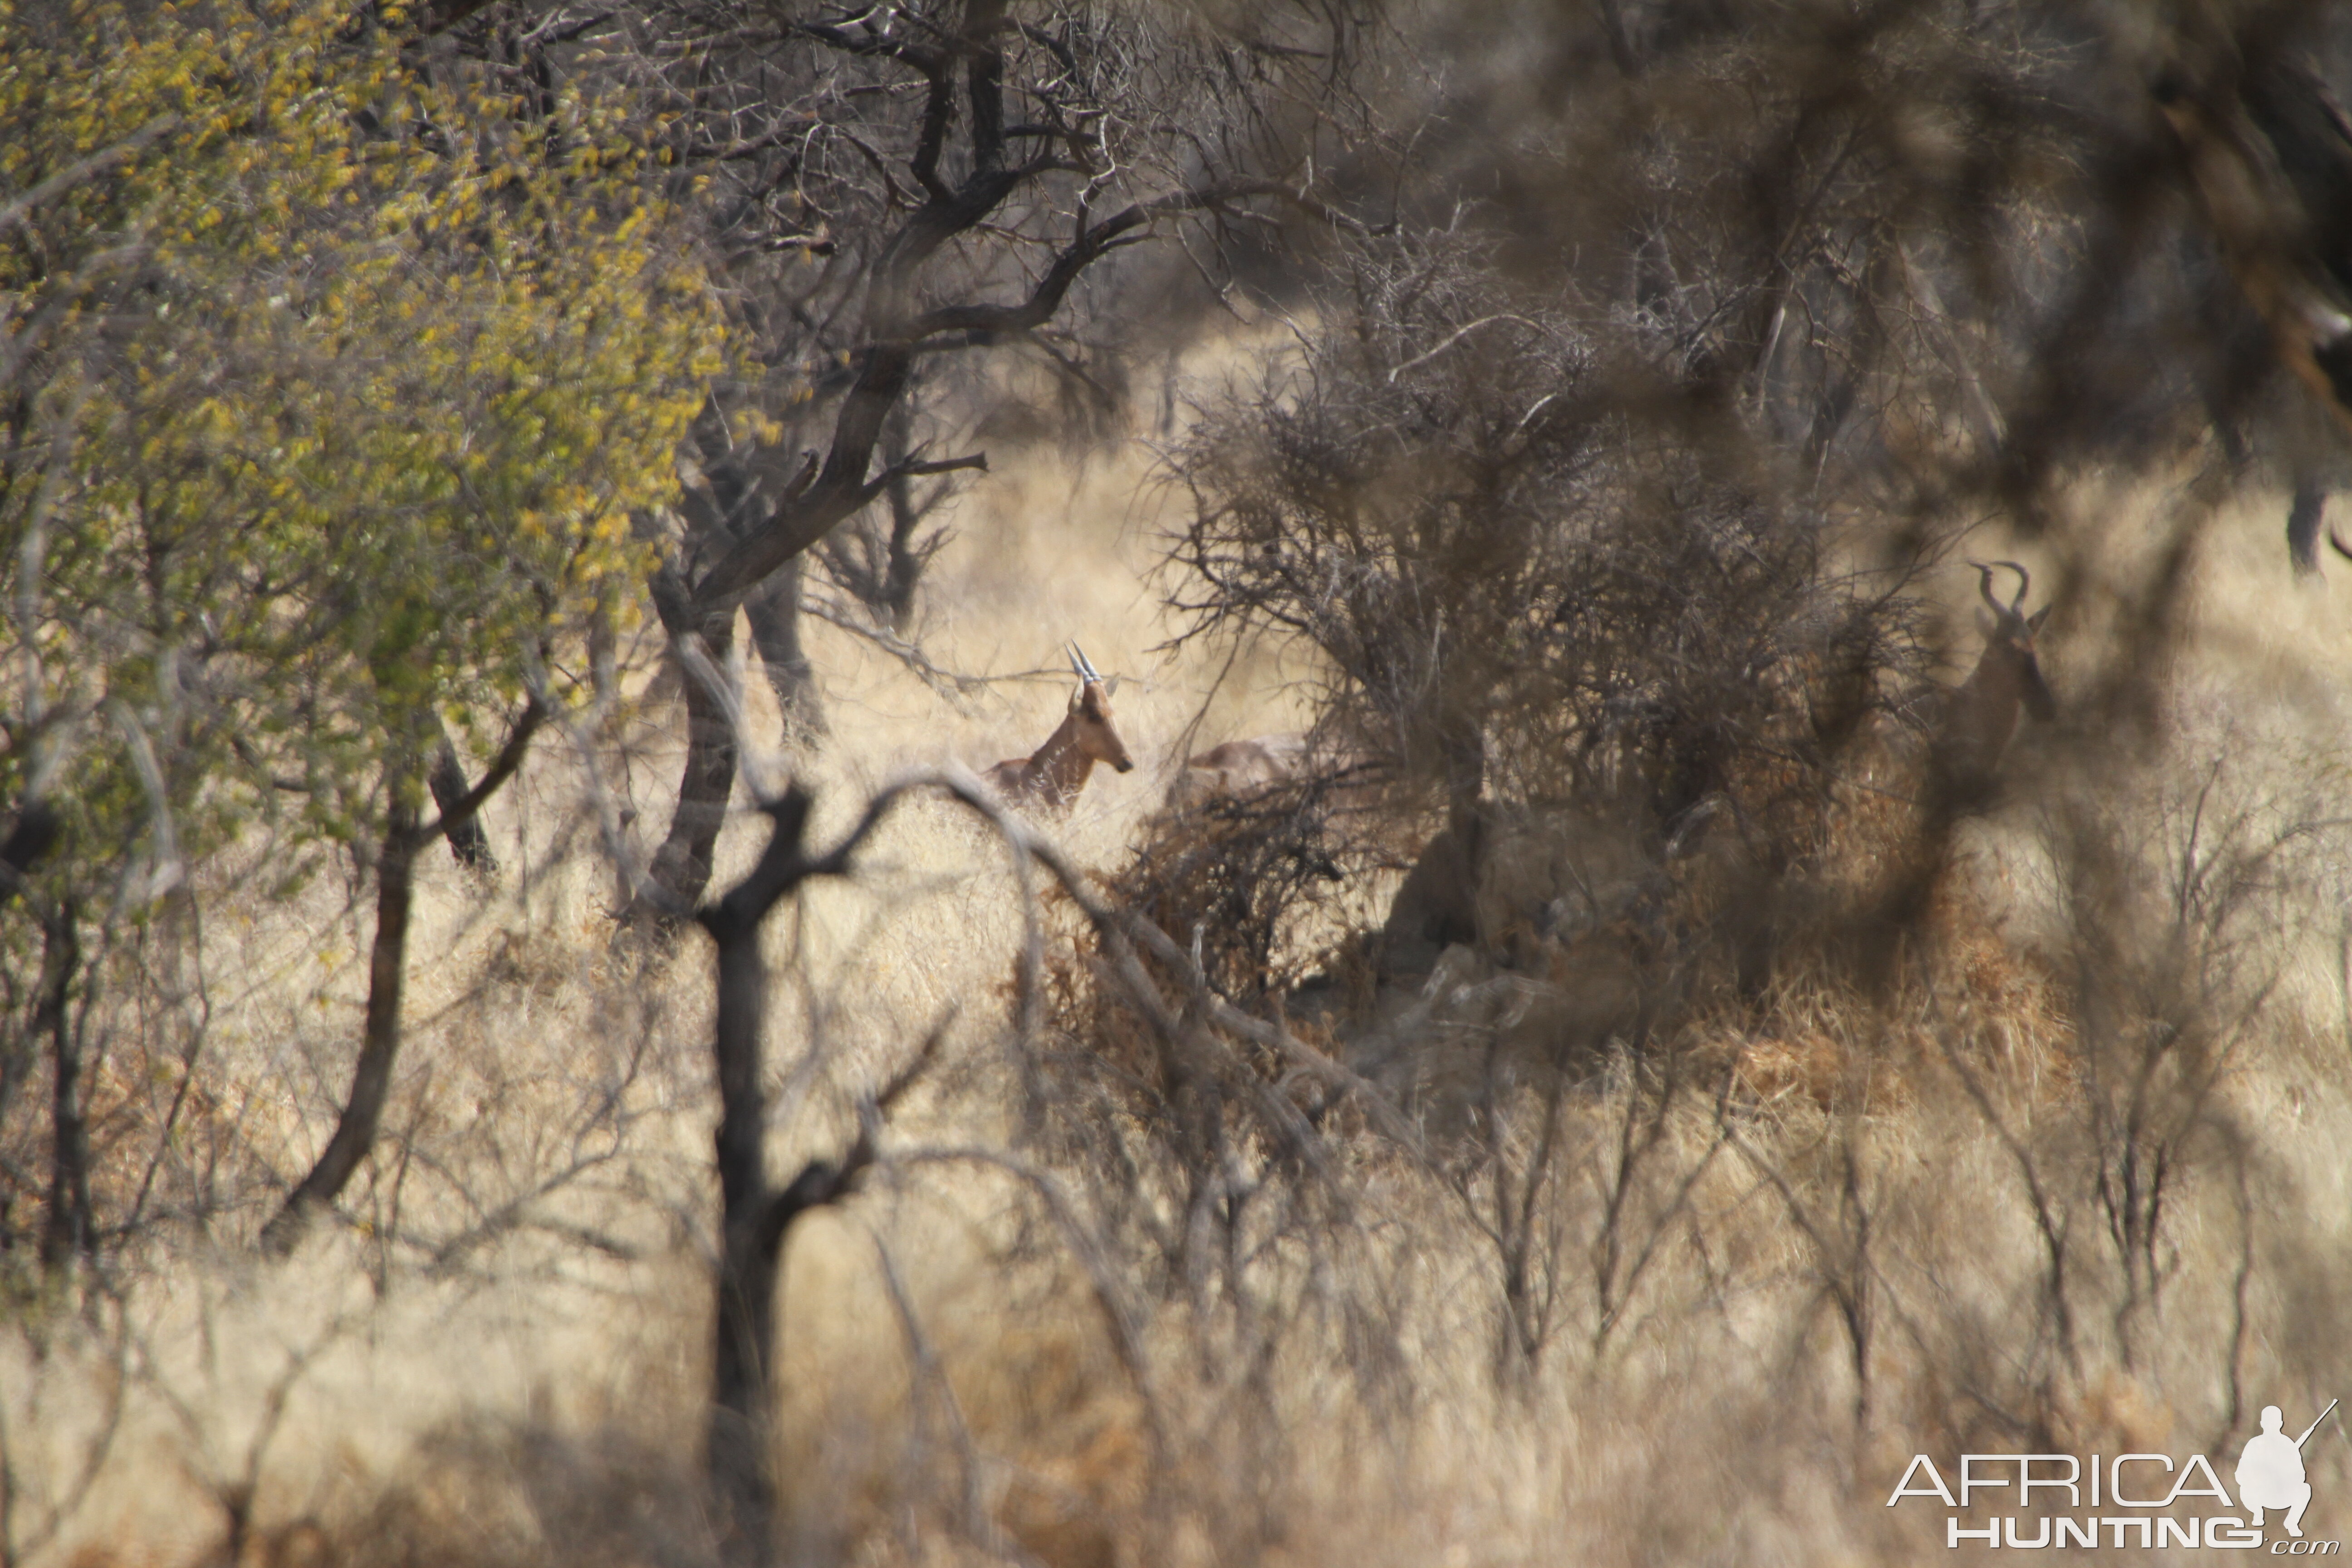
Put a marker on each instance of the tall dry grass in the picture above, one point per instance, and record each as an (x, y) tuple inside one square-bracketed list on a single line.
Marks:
[(1697, 1303)]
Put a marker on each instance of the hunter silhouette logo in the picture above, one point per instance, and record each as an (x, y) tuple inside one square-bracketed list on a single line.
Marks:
[(2270, 1472), (2124, 1501)]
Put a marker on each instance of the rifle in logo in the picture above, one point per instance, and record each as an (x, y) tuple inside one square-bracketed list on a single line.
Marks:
[(2270, 1471)]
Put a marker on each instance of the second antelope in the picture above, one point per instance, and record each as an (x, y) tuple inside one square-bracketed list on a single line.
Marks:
[(1051, 776), (1239, 769), (1982, 714)]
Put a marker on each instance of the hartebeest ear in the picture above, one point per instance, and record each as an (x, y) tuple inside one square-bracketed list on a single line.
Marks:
[(2033, 622), (1110, 685), (1987, 625)]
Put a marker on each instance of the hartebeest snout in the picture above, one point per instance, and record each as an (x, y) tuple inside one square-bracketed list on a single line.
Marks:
[(1051, 776), (1983, 712)]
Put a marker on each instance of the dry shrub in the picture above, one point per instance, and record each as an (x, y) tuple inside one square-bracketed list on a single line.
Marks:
[(484, 1491), (1065, 1426), (1524, 590), (1258, 886)]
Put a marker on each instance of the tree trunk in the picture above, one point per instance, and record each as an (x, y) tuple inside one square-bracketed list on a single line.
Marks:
[(745, 1326), (36, 828), (1621, 44), (906, 559), (2303, 519), (880, 564), (396, 873), (68, 1231), (774, 611), (756, 1217), (604, 652), (355, 1130), (468, 842), (680, 869)]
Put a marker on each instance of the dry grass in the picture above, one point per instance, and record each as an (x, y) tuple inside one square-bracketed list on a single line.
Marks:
[(501, 1363)]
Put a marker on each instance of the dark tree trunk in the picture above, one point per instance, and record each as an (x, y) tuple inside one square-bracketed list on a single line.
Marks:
[(680, 868), (604, 652), (745, 1328), (774, 611), (881, 565), (468, 842), (355, 1130), (906, 558), (396, 873), (756, 1217), (36, 828), (2303, 520), (1621, 44), (66, 1232)]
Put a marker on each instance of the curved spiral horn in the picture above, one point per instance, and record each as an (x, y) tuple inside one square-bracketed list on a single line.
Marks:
[(1984, 584), (2024, 586), (2015, 607)]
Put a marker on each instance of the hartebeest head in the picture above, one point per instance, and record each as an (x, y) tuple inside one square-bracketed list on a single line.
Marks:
[(1052, 774), (2009, 643), (1983, 712), (1098, 735)]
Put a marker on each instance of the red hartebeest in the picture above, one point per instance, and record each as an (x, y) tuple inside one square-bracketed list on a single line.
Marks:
[(1052, 775), (1982, 714), (1245, 770), (1239, 769)]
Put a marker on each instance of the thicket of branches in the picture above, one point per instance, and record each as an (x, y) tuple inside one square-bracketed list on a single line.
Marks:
[(1630, 482), (881, 191), (1646, 368)]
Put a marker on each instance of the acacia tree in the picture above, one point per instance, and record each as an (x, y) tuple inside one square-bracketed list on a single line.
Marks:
[(330, 392), (881, 188)]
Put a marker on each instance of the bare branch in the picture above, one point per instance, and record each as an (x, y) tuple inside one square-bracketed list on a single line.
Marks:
[(502, 768), (953, 685), (794, 528)]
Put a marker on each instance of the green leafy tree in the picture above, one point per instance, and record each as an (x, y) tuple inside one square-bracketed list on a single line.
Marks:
[(331, 383)]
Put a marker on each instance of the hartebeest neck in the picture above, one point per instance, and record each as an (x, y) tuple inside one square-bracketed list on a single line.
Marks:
[(1984, 710), (1985, 713), (1058, 770)]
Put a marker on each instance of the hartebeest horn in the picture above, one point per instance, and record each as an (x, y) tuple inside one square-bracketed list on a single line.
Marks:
[(1084, 666), (2016, 607), (2024, 586)]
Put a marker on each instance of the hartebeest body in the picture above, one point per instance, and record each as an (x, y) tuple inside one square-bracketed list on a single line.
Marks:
[(1050, 777), (1982, 714), (1239, 769)]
